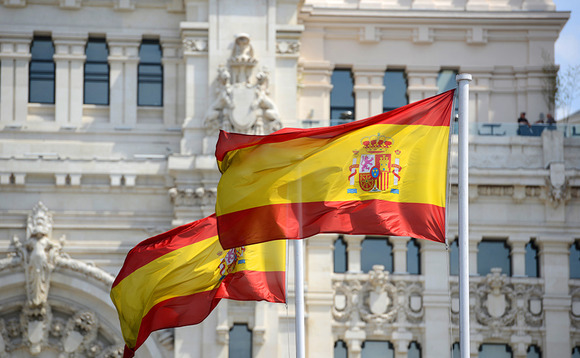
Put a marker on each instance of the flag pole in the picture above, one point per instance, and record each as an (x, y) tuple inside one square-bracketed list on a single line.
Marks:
[(299, 294), (463, 186)]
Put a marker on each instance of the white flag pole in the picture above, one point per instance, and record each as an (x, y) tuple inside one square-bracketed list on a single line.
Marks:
[(299, 294), (463, 186)]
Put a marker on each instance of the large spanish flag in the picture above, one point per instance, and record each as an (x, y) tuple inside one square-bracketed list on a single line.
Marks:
[(178, 277), (384, 175)]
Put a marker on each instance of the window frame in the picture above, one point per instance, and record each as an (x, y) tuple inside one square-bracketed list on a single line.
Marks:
[(34, 73), (99, 62), (147, 78)]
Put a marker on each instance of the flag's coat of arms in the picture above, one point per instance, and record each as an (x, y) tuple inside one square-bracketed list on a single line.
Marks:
[(375, 166), (230, 260)]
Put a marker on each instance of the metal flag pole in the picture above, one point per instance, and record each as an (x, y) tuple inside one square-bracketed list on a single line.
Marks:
[(463, 184), (299, 294)]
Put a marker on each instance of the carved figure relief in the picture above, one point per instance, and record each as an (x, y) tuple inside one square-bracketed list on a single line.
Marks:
[(241, 103)]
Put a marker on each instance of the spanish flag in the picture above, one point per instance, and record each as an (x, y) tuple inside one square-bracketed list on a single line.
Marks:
[(176, 279), (384, 175)]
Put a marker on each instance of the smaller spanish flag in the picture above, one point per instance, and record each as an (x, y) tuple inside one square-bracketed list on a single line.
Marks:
[(177, 278)]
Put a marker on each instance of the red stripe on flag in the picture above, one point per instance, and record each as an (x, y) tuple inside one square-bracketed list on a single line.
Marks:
[(370, 217)]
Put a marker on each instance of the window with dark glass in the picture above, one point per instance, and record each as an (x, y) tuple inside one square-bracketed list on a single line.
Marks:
[(534, 352), (493, 253), (575, 260), (340, 349), (532, 262), (341, 97), (495, 351), (240, 342), (413, 257), (576, 352), (377, 349), (96, 89), (376, 251), (455, 353), (454, 257), (340, 256), (446, 80), (395, 94), (414, 350), (150, 74), (42, 71)]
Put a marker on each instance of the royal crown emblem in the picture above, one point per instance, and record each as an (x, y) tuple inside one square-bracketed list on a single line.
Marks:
[(230, 260), (378, 169)]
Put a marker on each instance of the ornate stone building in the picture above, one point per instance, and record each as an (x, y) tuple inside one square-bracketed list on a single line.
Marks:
[(109, 112)]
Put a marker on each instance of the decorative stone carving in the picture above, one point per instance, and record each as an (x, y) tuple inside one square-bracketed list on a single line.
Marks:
[(242, 60), (379, 297), (557, 185), (195, 45), (167, 338), (288, 47), (193, 197), (240, 104)]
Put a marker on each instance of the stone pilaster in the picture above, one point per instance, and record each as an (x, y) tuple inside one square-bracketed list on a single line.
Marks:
[(173, 83), (518, 253), (353, 249), (399, 253), (368, 89), (422, 82), (123, 61), (69, 58), (14, 58)]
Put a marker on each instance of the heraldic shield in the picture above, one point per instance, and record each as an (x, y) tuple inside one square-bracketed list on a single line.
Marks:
[(243, 114)]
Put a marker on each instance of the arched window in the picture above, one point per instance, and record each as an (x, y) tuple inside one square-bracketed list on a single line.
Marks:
[(495, 351), (41, 71), (150, 76), (340, 349), (340, 256), (534, 352), (240, 342), (376, 251), (532, 262), (377, 349), (455, 352), (575, 260), (413, 257), (341, 97), (576, 352), (395, 95), (414, 350), (493, 253), (96, 90)]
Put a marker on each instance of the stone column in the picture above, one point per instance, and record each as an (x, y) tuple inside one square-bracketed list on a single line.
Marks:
[(287, 55), (555, 270), (422, 82), (473, 250), (69, 58), (518, 253), (123, 61), (319, 261), (173, 94), (435, 300), (353, 250), (480, 91), (368, 89), (14, 57), (399, 253)]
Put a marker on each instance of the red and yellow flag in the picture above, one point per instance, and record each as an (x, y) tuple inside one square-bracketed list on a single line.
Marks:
[(384, 175), (176, 279)]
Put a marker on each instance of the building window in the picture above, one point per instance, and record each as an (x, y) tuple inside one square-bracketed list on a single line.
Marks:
[(340, 350), (455, 352), (414, 350), (575, 260), (340, 256), (576, 352), (495, 351), (376, 251), (42, 69), (240, 342), (534, 352), (377, 349), (446, 80), (96, 72), (413, 257), (454, 257), (395, 94), (493, 253), (150, 76), (341, 97), (532, 263)]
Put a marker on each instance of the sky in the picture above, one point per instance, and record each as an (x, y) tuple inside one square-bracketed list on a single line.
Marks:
[(568, 44)]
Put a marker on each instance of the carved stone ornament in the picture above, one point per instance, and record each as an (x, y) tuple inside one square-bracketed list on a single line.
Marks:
[(242, 104), (193, 197), (557, 185), (287, 47), (195, 45), (36, 327)]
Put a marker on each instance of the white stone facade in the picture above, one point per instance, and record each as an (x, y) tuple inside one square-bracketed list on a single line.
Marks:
[(101, 178)]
